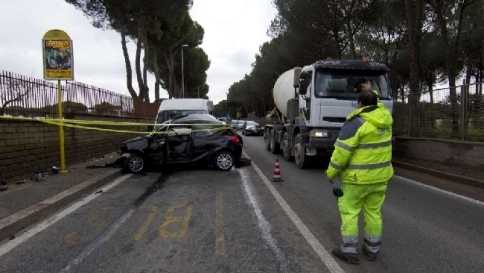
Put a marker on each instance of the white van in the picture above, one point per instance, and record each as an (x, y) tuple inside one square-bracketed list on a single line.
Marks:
[(176, 108)]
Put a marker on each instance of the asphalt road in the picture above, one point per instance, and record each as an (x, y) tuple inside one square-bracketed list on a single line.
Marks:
[(201, 220), (424, 230)]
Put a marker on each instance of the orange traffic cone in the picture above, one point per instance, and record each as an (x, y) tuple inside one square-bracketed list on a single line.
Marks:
[(276, 173)]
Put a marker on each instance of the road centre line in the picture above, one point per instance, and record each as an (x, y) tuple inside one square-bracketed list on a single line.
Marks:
[(320, 250), (264, 225), (448, 193), (8, 246)]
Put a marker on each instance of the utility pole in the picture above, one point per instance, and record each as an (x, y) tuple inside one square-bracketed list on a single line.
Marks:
[(183, 71)]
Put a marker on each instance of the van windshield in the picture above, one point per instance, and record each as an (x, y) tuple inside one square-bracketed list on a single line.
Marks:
[(341, 85)]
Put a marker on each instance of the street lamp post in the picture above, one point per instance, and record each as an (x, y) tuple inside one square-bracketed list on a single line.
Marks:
[(183, 72)]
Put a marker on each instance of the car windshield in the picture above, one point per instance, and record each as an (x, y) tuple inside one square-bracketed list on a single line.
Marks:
[(167, 115), (197, 119), (252, 123), (341, 84)]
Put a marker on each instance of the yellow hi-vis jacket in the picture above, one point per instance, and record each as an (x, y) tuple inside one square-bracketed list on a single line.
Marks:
[(363, 150)]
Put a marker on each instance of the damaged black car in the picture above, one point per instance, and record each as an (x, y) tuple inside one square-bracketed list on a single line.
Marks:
[(187, 139)]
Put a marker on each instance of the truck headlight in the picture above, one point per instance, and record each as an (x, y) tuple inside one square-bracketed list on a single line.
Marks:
[(319, 133)]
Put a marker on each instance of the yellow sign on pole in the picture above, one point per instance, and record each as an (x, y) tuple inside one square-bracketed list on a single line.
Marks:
[(58, 65), (58, 56)]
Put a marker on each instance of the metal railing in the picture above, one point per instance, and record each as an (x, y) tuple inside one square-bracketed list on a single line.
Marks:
[(437, 117), (26, 96)]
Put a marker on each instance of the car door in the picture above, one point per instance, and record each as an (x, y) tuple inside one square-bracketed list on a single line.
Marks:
[(179, 144)]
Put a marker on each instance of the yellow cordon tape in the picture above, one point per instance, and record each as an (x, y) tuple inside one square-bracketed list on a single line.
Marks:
[(80, 124)]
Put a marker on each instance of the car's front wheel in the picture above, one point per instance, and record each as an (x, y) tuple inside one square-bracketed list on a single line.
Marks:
[(135, 163), (224, 160)]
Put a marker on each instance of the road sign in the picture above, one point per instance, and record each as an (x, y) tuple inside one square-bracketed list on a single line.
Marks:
[(58, 56)]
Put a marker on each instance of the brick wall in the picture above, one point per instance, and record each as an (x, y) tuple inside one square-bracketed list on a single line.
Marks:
[(26, 147)]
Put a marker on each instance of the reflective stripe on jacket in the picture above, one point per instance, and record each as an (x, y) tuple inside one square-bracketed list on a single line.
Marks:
[(363, 150)]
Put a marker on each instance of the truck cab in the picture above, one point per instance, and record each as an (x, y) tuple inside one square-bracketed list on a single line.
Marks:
[(322, 96)]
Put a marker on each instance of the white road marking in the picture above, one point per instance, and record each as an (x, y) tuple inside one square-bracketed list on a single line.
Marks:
[(320, 250), (8, 246), (97, 243), (263, 224), (448, 193)]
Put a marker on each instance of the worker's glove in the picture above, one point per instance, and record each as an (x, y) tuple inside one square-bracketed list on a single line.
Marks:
[(337, 191)]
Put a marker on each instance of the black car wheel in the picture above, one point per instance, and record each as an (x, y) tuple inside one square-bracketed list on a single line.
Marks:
[(224, 160), (134, 164)]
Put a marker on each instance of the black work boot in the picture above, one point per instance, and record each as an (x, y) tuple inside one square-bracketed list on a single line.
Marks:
[(370, 256), (346, 257)]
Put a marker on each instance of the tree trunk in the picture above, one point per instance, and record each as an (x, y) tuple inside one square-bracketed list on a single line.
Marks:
[(450, 60), (145, 82), (170, 64), (139, 75), (157, 87), (481, 66), (129, 72), (431, 92), (411, 10)]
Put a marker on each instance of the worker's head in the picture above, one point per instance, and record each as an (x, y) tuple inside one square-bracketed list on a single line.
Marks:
[(361, 85), (367, 98)]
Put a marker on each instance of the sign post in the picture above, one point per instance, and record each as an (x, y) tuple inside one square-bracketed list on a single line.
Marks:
[(58, 65)]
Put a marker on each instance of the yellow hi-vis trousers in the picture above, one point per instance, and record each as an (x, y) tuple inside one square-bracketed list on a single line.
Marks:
[(368, 198)]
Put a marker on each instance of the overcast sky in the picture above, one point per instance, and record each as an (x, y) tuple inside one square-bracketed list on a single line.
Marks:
[(234, 30)]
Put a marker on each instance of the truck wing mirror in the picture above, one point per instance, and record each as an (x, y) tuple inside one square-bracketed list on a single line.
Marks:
[(297, 75), (303, 86)]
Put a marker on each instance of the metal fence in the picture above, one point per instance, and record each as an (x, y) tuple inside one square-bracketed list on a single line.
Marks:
[(437, 117), (26, 96)]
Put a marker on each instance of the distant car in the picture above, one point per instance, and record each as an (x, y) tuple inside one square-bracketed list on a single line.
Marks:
[(237, 124), (195, 138), (252, 128), (225, 120)]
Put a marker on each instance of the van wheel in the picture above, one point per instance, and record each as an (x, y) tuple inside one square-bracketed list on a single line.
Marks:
[(300, 157), (286, 147)]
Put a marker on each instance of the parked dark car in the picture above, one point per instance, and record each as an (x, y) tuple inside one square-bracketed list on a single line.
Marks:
[(187, 139), (252, 128)]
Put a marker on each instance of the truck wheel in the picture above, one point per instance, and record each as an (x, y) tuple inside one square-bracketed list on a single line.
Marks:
[(267, 139), (286, 147), (300, 158), (274, 146)]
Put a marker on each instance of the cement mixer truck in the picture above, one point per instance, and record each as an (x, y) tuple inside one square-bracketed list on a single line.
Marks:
[(312, 103)]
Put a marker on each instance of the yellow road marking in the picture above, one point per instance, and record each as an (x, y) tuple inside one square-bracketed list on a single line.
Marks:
[(142, 230), (176, 226), (219, 225)]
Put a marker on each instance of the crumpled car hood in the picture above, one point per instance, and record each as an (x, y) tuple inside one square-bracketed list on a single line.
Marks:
[(137, 143)]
